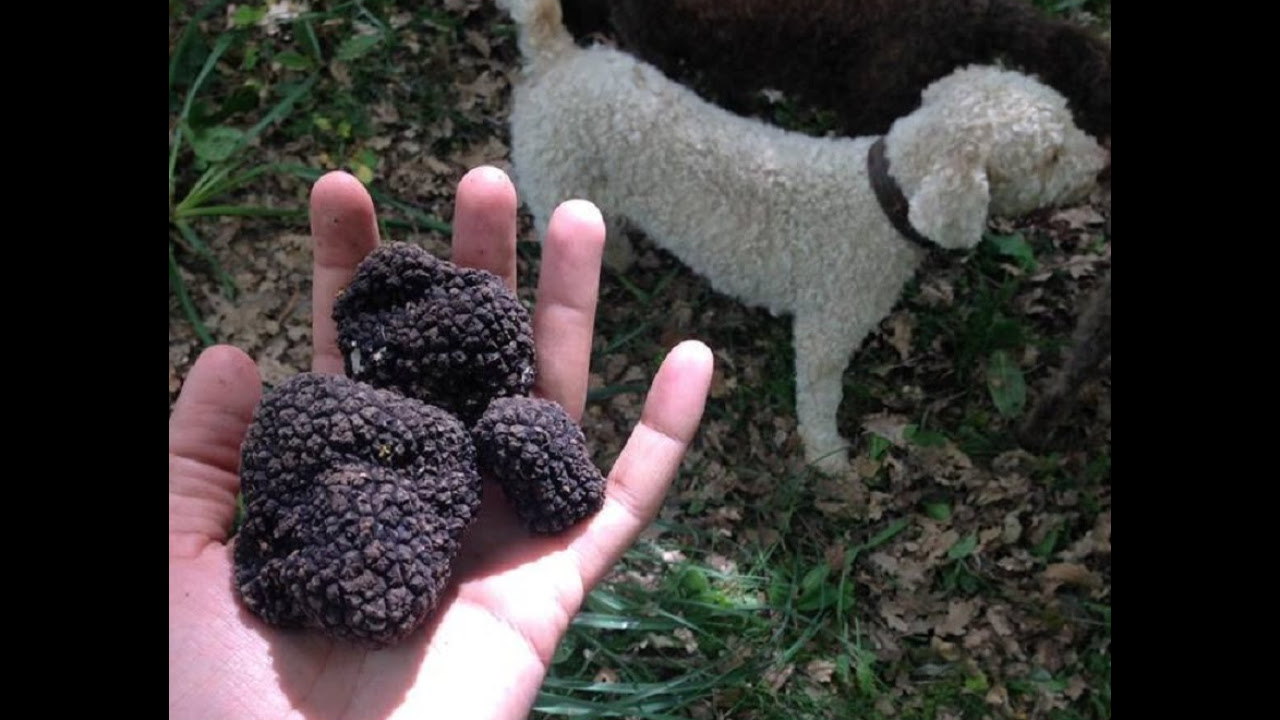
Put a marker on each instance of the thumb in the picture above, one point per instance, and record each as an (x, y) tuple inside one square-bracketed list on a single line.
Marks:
[(206, 427)]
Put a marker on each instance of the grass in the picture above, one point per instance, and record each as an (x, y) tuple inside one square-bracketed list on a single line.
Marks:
[(231, 89), (209, 160), (644, 639), (778, 637)]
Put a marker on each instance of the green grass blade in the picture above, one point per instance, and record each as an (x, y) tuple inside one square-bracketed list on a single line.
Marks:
[(188, 32), (573, 707), (244, 211), (180, 49), (192, 239), (303, 172), (595, 395), (220, 47), (602, 621), (887, 534), (602, 599), (216, 182), (280, 110), (640, 295), (307, 32), (417, 219), (203, 187), (812, 629), (643, 699), (626, 338), (620, 688), (184, 299)]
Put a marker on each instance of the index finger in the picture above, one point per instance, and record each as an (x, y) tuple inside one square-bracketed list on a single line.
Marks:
[(344, 228)]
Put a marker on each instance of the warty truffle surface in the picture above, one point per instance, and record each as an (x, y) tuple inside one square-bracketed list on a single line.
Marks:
[(447, 335), (538, 454), (355, 502)]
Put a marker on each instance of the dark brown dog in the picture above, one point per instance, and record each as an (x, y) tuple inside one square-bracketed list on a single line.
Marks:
[(864, 60)]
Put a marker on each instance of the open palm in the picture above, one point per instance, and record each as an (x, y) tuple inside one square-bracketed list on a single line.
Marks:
[(485, 650)]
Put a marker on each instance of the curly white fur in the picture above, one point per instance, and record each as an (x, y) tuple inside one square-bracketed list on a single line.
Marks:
[(779, 219)]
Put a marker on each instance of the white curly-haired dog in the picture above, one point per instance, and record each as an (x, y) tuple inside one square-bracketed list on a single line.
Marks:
[(779, 219)]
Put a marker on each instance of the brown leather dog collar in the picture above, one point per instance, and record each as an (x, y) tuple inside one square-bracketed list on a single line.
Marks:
[(892, 201)]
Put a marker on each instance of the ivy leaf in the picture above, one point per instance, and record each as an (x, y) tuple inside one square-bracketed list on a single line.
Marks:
[(293, 60), (1015, 247), (964, 547), (357, 46), (939, 510), (244, 16), (1007, 386), (216, 143), (923, 438)]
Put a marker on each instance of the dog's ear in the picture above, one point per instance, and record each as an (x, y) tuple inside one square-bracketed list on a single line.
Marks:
[(950, 205)]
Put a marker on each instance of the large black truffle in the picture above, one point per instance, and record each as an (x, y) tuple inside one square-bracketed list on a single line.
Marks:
[(539, 456), (450, 336), (355, 502)]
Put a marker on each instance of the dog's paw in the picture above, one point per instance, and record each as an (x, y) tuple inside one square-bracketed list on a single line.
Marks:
[(834, 464)]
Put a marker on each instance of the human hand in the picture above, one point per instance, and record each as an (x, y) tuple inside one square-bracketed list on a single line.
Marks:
[(486, 648)]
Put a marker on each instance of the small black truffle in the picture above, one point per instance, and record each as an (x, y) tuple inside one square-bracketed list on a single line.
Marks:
[(355, 502), (449, 336), (539, 456)]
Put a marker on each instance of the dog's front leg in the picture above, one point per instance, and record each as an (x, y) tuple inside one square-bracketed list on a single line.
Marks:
[(823, 345)]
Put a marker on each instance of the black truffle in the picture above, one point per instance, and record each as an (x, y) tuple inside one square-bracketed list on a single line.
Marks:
[(355, 502), (428, 329), (539, 456)]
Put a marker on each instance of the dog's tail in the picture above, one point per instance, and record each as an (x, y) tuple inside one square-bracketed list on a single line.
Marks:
[(543, 36)]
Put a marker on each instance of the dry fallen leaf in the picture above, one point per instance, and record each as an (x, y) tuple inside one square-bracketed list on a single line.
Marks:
[(673, 556), (937, 292), (477, 41), (893, 616), (775, 677), (901, 325), (1075, 687), (685, 635), (888, 426), (1071, 574), (1011, 529), (820, 670), (946, 650), (959, 613), (722, 564), (996, 615), (1079, 217)]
